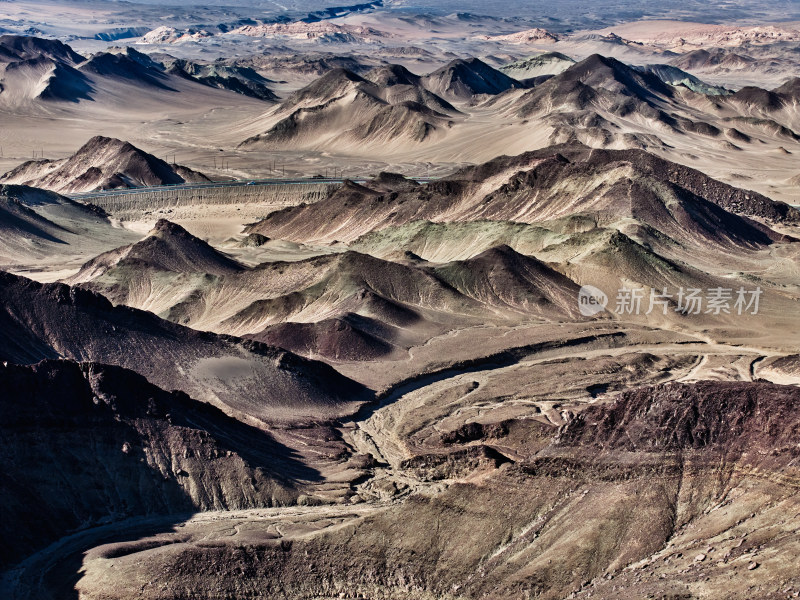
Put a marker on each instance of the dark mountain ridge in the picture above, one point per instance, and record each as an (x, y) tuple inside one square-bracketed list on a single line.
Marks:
[(54, 320), (462, 79), (85, 443), (167, 247), (102, 163), (529, 194)]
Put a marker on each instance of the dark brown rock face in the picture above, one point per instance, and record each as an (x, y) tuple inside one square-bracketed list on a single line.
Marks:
[(664, 473), (739, 418), (84, 443)]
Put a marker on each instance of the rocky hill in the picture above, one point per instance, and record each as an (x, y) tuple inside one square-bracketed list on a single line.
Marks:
[(387, 105), (101, 164), (243, 377), (677, 490), (463, 79), (35, 70), (86, 443), (43, 228), (167, 247), (545, 185)]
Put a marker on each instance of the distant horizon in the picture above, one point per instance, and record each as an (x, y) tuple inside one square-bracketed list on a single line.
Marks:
[(567, 14)]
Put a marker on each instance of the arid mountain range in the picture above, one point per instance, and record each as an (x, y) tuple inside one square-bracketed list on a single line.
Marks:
[(385, 301)]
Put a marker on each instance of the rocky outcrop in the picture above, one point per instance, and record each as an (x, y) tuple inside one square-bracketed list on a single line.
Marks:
[(245, 377), (100, 164), (86, 443), (668, 489)]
